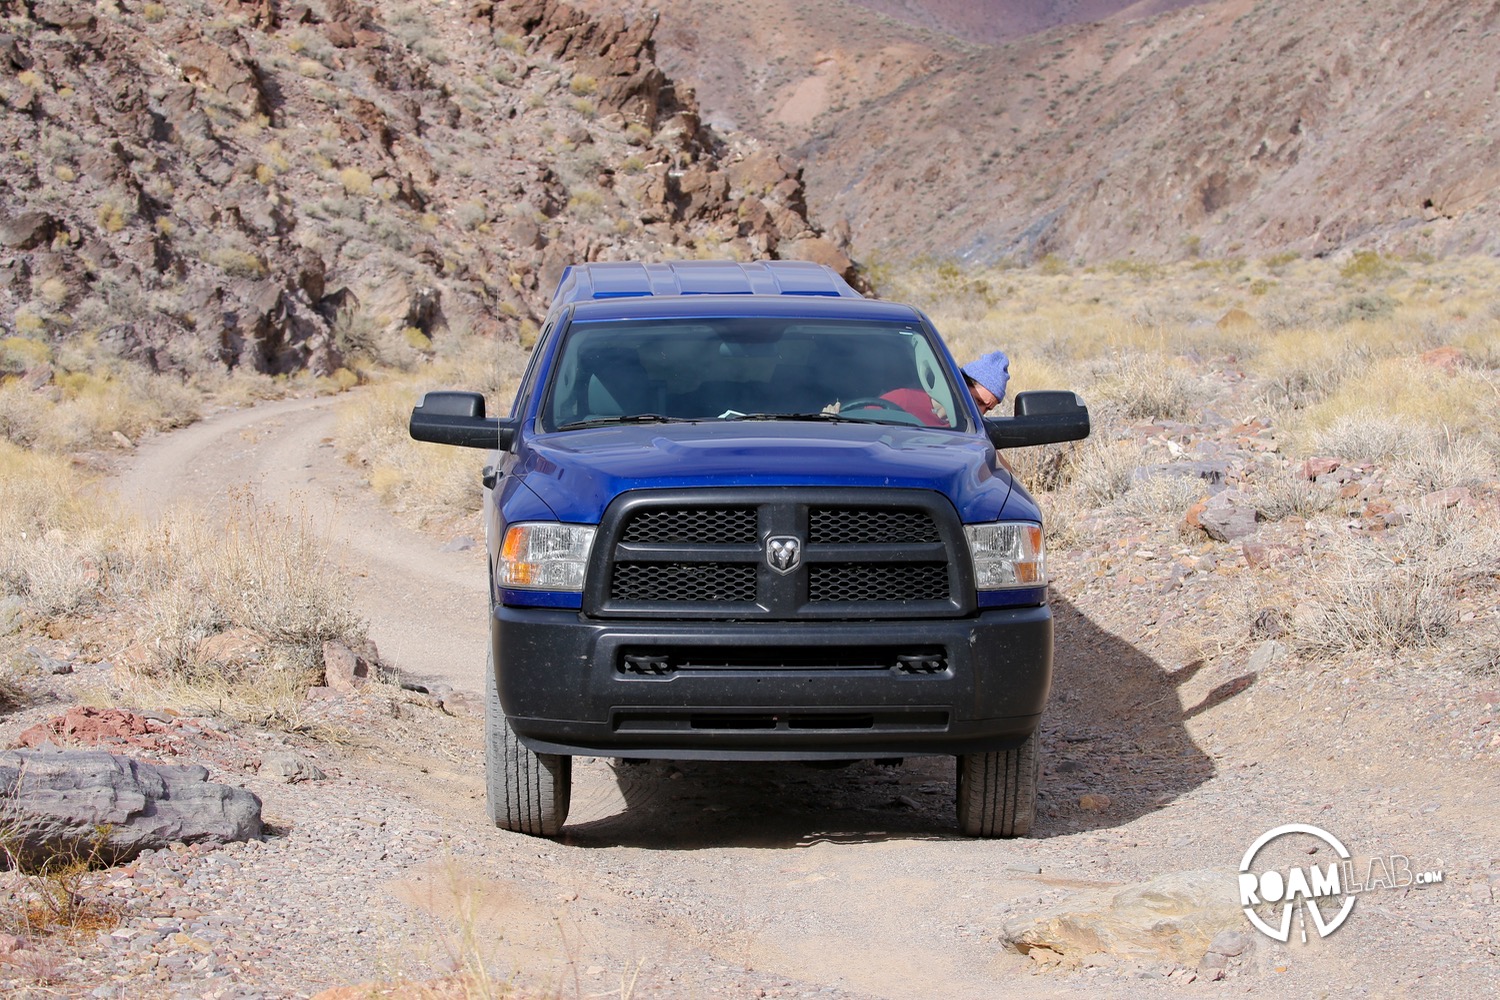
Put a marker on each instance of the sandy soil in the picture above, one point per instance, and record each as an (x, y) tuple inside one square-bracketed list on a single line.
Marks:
[(689, 879)]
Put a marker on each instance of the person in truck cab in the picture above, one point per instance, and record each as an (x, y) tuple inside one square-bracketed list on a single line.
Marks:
[(986, 378)]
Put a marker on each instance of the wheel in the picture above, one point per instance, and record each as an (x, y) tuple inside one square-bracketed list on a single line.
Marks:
[(997, 791), (528, 792)]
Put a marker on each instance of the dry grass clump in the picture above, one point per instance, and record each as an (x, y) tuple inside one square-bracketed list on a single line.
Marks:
[(419, 479), (84, 398), (1162, 495), (423, 479), (1397, 591), (55, 552), (1291, 495), (1100, 470), (261, 576), (265, 572), (1431, 428), (1146, 387)]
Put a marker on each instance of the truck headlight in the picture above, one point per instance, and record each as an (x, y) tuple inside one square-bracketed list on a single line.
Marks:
[(545, 556), (1007, 554)]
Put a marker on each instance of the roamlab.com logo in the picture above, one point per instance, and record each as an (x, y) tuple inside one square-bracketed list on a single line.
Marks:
[(1313, 892)]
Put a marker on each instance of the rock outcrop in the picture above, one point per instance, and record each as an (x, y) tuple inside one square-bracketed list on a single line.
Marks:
[(96, 807), (1176, 917), (285, 187)]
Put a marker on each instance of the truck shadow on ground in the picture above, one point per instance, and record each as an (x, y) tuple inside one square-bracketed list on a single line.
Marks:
[(1114, 748)]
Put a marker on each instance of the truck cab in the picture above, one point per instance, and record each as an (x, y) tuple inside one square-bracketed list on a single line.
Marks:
[(741, 512)]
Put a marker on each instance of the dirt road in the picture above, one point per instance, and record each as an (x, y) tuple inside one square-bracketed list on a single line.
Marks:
[(425, 605), (697, 879)]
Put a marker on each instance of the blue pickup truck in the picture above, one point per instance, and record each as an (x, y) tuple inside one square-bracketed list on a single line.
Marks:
[(741, 512)]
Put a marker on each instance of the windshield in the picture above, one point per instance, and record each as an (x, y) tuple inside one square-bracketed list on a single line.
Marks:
[(749, 368)]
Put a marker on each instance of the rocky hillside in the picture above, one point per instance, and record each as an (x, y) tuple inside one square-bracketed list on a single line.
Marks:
[(1226, 128), (281, 185), (993, 21)]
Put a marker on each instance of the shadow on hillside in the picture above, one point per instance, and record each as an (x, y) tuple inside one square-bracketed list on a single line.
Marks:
[(1114, 727)]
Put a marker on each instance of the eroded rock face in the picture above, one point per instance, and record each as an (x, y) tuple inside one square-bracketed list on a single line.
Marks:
[(198, 192), (94, 805)]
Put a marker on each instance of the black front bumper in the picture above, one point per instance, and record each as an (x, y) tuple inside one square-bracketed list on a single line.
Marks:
[(772, 690)]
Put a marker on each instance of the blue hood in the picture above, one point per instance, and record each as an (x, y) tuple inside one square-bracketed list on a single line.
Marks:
[(577, 473)]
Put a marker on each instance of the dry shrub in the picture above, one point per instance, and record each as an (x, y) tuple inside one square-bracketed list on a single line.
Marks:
[(1162, 495), (60, 894), (1291, 496), (1065, 518), (273, 698), (415, 477), (261, 570), (1367, 602), (1398, 592), (54, 545), (13, 681), (22, 414), (1147, 387), (1439, 460), (1101, 471)]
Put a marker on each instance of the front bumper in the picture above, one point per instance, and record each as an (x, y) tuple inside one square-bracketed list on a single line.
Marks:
[(772, 690)]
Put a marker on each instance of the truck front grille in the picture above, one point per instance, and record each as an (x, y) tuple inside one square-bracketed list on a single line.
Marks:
[(684, 582), (862, 526), (701, 526), (877, 582), (857, 553)]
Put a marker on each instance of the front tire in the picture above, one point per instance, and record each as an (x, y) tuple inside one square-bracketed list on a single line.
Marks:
[(528, 792), (997, 791)]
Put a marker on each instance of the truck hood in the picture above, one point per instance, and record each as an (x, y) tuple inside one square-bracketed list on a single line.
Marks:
[(577, 473)]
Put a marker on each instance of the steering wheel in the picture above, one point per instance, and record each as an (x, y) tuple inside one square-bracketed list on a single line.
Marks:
[(871, 403)]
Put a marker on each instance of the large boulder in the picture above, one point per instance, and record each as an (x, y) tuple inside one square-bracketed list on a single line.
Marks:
[(95, 806)]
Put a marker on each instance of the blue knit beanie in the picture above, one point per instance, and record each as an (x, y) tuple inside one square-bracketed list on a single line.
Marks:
[(991, 371)]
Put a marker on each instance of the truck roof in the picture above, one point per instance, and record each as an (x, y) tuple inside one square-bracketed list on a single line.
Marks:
[(616, 280)]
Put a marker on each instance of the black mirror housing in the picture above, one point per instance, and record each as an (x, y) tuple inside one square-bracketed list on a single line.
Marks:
[(1041, 417), (457, 418)]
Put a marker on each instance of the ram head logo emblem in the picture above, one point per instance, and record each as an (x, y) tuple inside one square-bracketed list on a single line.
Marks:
[(784, 553)]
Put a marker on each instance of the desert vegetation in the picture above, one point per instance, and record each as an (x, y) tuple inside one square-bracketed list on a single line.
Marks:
[(1292, 458), (1359, 445), (1273, 375), (1363, 440)]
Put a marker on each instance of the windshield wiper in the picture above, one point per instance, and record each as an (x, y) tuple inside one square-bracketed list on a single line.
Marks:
[(626, 418), (829, 417)]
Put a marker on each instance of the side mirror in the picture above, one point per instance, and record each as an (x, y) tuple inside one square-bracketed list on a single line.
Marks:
[(1042, 417), (457, 418)]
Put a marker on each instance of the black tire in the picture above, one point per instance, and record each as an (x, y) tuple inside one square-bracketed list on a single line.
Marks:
[(997, 791), (528, 792)]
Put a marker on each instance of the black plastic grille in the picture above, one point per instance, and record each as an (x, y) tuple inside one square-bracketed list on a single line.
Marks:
[(859, 553), (877, 582), (693, 526), (674, 581), (862, 526)]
